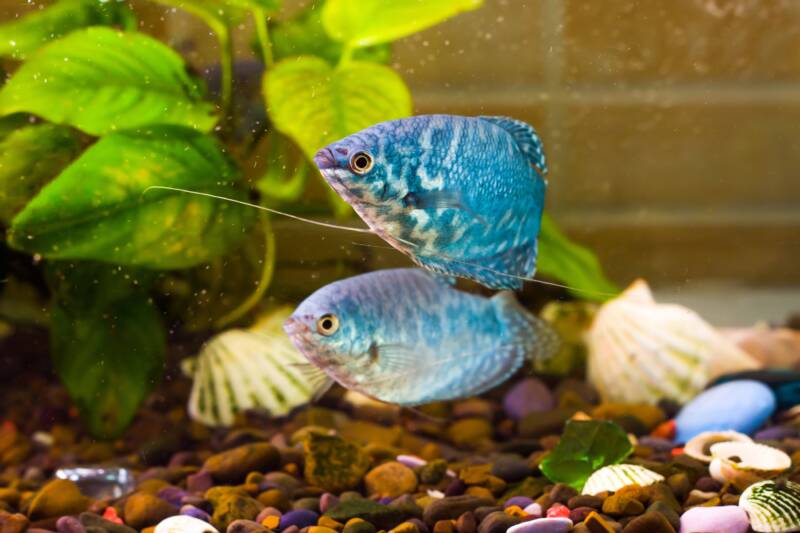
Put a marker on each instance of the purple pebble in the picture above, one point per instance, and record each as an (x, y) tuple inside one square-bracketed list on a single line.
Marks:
[(455, 488), (386, 500), (194, 512), (526, 397), (656, 443), (776, 433), (267, 511), (300, 518), (69, 524), (520, 501), (172, 495), (199, 482), (327, 501)]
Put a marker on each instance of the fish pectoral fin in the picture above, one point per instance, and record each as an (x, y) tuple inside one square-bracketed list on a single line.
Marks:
[(439, 200), (398, 358), (317, 379)]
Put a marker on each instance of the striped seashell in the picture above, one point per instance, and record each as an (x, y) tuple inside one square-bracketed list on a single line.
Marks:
[(256, 368), (613, 477), (642, 351), (772, 507)]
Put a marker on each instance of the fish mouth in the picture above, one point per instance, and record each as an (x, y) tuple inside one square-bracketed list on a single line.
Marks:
[(324, 159), (294, 327)]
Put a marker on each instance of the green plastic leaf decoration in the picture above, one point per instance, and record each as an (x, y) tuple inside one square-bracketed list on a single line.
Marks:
[(368, 22), (304, 34), (29, 158), (572, 264), (19, 38), (100, 80), (107, 343), (97, 208), (585, 446), (315, 104)]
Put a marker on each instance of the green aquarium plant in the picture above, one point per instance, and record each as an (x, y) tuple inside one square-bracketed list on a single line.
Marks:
[(95, 112)]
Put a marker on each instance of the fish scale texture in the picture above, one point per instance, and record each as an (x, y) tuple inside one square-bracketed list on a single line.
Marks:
[(408, 338), (462, 196)]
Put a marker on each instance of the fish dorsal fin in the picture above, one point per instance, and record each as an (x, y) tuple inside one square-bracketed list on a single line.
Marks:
[(526, 138)]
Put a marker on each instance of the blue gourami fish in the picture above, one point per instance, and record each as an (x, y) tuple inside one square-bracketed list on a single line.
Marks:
[(403, 336), (461, 196)]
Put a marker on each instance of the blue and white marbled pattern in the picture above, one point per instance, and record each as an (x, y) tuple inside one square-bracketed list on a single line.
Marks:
[(408, 338), (462, 196)]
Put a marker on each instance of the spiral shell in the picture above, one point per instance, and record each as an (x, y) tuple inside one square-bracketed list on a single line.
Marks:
[(256, 368), (641, 351), (772, 507), (613, 477), (745, 463), (699, 446)]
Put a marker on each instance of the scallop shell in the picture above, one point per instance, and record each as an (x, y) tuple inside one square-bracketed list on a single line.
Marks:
[(256, 368), (641, 351), (699, 446), (613, 477), (745, 463), (772, 507)]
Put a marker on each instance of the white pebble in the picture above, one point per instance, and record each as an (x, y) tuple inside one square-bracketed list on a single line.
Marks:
[(184, 524)]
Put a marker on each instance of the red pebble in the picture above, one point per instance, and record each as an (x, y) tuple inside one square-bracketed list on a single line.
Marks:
[(111, 515), (558, 510), (665, 430), (676, 451)]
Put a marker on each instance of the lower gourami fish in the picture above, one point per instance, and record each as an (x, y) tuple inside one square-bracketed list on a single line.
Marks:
[(461, 196), (403, 336)]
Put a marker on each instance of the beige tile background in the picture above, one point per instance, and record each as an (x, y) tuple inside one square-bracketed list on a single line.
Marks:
[(672, 126)]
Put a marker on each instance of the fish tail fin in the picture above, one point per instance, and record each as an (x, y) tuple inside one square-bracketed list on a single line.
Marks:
[(526, 138), (538, 338)]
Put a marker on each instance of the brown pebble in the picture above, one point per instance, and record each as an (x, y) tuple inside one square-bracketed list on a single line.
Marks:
[(232, 466), (585, 500), (275, 498), (649, 523), (561, 493), (444, 526), (579, 514), (466, 523), (12, 523), (680, 485), (622, 505), (597, 524), (142, 510), (405, 527), (57, 498), (390, 480)]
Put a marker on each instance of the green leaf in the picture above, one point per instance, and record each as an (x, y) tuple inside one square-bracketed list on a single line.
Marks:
[(572, 264), (304, 34), (29, 158), (21, 37), (585, 446), (97, 208), (368, 22), (315, 104), (226, 12), (100, 80), (107, 343)]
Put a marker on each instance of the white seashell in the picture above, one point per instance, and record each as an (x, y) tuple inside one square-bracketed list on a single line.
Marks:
[(641, 351), (699, 446), (184, 524), (772, 507), (745, 463), (247, 369), (613, 477)]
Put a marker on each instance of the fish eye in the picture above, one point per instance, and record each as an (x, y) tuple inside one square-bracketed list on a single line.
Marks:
[(361, 162), (327, 325)]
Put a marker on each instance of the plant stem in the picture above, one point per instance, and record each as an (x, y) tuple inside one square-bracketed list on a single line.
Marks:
[(347, 54), (262, 31), (266, 278), (226, 64)]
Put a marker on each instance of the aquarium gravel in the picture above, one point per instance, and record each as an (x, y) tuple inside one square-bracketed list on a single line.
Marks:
[(353, 465)]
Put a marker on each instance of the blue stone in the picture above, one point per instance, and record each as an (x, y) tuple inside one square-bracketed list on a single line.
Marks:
[(741, 406), (300, 518)]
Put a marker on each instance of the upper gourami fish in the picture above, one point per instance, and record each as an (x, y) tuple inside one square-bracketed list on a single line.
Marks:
[(405, 337), (462, 196)]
